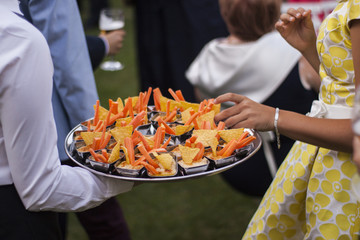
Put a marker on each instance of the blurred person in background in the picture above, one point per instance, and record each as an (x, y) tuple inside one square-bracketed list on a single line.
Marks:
[(170, 33), (74, 93), (255, 61)]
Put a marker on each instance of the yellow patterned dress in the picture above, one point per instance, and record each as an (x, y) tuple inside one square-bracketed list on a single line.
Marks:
[(311, 197)]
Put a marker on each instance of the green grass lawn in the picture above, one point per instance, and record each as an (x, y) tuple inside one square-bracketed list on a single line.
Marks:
[(203, 208)]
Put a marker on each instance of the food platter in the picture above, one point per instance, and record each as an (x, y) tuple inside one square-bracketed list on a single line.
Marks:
[(240, 157)]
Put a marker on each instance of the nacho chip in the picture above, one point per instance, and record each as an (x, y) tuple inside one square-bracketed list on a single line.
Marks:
[(115, 153), (89, 137), (120, 104), (120, 133), (127, 159), (216, 108), (185, 115), (204, 136), (228, 135), (209, 116), (166, 160), (126, 119), (188, 154), (182, 129), (185, 105), (133, 100), (213, 142), (103, 112), (163, 103)]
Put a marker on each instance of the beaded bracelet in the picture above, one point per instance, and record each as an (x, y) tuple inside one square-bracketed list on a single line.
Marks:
[(276, 128)]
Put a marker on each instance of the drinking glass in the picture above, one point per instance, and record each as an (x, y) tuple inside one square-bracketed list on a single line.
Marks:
[(111, 19)]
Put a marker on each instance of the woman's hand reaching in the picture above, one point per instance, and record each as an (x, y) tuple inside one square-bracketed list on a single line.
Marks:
[(245, 113)]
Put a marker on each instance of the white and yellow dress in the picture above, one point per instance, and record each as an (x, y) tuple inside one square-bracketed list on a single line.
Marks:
[(311, 196)]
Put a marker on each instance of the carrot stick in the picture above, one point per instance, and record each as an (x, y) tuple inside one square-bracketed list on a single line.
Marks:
[(131, 110), (200, 154), (222, 151), (157, 95), (96, 116), (115, 117), (105, 141), (159, 150), (167, 108), (99, 126), (102, 158), (96, 143), (193, 138), (89, 126), (201, 106), (143, 140), (158, 137), (168, 129), (105, 154), (221, 125), (166, 143), (173, 94), (191, 118), (92, 152), (136, 121), (139, 161), (171, 116), (147, 97), (230, 149), (245, 142), (150, 168), (147, 156), (130, 149), (140, 102), (180, 95), (243, 136)]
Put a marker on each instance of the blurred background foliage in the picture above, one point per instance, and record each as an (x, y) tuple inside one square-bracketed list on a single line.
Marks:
[(202, 208)]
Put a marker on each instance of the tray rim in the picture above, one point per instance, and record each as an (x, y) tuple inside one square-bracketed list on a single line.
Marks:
[(69, 140)]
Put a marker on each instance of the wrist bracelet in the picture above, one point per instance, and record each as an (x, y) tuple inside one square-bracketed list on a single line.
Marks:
[(276, 128)]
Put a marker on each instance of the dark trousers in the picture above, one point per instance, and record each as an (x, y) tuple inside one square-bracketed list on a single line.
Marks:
[(17, 223), (104, 222)]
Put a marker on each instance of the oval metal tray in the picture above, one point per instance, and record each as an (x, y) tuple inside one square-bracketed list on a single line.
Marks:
[(255, 146)]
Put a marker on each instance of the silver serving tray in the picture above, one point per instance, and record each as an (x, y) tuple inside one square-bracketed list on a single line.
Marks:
[(254, 147)]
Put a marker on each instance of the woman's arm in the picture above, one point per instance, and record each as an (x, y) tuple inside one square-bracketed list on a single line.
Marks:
[(329, 133)]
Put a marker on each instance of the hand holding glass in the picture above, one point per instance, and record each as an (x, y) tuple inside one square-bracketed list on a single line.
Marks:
[(111, 19)]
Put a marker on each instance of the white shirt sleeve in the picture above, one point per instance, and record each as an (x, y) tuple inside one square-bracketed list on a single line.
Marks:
[(27, 130)]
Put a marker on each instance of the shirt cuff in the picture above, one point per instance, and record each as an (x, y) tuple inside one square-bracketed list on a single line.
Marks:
[(106, 43)]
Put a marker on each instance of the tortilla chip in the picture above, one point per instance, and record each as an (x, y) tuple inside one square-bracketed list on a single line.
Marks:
[(166, 160), (216, 108), (188, 154), (122, 147), (102, 113), (205, 136), (120, 104), (89, 137), (213, 142), (228, 135), (185, 105), (133, 100), (181, 129), (115, 153), (120, 133), (209, 116), (126, 119), (163, 103), (185, 115)]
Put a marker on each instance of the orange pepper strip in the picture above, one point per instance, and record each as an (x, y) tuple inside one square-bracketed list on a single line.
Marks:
[(180, 95), (96, 116), (222, 151), (143, 140), (171, 116), (192, 118), (147, 156), (168, 129), (136, 121), (173, 94), (166, 143), (128, 143)]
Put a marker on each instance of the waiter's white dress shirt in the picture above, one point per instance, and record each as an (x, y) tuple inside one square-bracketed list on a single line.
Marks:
[(28, 152)]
